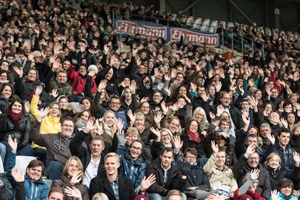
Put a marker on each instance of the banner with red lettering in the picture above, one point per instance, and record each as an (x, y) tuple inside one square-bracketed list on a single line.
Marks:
[(167, 32)]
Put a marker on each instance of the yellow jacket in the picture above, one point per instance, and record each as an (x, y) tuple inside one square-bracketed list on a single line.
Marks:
[(49, 123)]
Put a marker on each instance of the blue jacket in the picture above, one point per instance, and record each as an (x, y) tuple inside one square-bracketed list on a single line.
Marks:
[(283, 197), (37, 190), (134, 170), (288, 165)]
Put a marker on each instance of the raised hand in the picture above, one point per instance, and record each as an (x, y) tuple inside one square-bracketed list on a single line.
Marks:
[(120, 123), (131, 115), (27, 106), (147, 182), (144, 99), (102, 85), (43, 113), (73, 192), (99, 126), (133, 86), (18, 176), (38, 90), (158, 117), (175, 107), (296, 158), (284, 122), (156, 132), (89, 125), (274, 195), (164, 107), (54, 93), (178, 143), (19, 71), (214, 147), (76, 178), (12, 143), (254, 174), (250, 150)]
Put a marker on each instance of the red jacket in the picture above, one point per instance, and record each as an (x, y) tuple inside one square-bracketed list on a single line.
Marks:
[(78, 81)]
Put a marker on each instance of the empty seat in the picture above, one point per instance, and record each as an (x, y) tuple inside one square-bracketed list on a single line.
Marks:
[(1, 166), (205, 25), (22, 162), (48, 181), (230, 24), (197, 23)]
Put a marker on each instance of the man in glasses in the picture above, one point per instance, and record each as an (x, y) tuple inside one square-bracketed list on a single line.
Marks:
[(248, 162), (57, 145)]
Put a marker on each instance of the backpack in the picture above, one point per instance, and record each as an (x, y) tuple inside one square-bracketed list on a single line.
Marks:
[(6, 190)]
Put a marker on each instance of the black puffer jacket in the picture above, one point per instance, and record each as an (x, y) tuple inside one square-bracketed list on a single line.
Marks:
[(8, 128), (4, 104)]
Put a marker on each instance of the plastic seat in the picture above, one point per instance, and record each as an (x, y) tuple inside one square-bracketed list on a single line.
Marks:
[(205, 25), (48, 181), (230, 24), (1, 166), (197, 23), (22, 162)]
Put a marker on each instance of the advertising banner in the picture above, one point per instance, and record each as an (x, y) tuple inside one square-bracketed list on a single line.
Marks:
[(167, 32)]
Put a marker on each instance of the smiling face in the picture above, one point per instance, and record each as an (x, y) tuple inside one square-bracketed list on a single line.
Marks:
[(16, 107), (7, 91), (34, 173), (67, 128), (139, 121), (96, 147), (63, 103), (273, 161), (31, 75), (111, 165), (86, 104), (253, 160), (194, 126), (165, 137), (54, 110), (135, 149), (109, 119), (284, 139), (220, 162), (287, 191), (72, 168), (85, 116)]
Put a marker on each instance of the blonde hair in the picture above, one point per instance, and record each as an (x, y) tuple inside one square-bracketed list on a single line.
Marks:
[(100, 196), (113, 128), (79, 163), (271, 156), (202, 112), (112, 154)]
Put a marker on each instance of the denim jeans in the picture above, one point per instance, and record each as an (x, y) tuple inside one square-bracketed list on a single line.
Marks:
[(54, 170), (40, 153)]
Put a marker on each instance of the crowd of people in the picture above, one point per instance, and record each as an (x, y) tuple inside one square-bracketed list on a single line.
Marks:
[(158, 121)]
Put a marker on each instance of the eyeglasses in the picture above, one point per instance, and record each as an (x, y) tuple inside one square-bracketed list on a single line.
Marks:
[(165, 135), (70, 126)]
